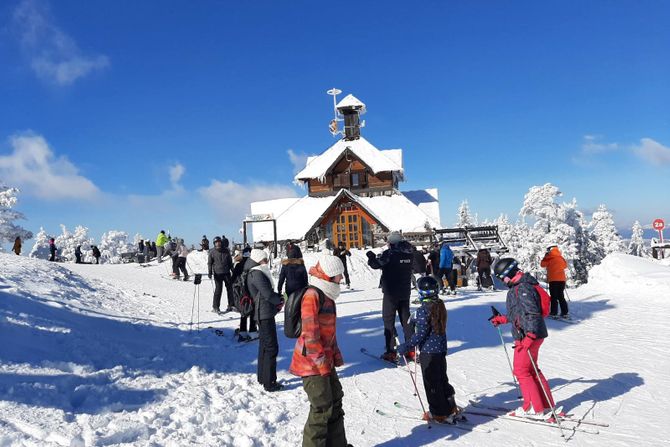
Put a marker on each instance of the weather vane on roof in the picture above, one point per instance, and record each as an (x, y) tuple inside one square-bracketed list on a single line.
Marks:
[(333, 123)]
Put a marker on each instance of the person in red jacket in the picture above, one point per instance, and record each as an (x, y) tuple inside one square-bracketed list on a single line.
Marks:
[(555, 264), (316, 355)]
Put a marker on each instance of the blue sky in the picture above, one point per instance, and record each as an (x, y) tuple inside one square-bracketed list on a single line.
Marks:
[(147, 115)]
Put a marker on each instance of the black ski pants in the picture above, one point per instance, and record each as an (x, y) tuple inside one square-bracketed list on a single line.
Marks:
[(450, 274), (485, 279), (439, 391), (252, 323), (391, 307), (228, 281), (557, 292), (219, 279), (268, 348), (346, 275), (181, 266)]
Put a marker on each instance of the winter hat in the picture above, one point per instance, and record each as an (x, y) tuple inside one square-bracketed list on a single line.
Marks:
[(394, 237), (258, 255), (331, 265)]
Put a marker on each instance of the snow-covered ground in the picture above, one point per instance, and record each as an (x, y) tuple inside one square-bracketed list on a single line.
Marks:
[(103, 355)]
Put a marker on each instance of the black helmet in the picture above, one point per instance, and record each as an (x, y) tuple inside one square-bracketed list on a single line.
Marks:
[(428, 287), (506, 268), (217, 239)]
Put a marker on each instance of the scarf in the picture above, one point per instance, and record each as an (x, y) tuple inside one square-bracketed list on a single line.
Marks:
[(331, 289), (263, 268)]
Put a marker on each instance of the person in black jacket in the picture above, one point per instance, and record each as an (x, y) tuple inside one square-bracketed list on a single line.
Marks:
[(293, 271), (204, 243), (418, 265), (396, 280), (77, 254), (341, 252), (219, 265), (484, 262), (248, 321), (267, 303), (96, 253), (52, 249)]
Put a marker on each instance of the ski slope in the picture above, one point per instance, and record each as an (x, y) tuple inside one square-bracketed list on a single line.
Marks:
[(102, 355)]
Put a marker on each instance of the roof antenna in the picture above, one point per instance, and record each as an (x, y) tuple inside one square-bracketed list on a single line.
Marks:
[(333, 123)]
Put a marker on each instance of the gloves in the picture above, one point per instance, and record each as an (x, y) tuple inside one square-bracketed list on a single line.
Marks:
[(526, 342), (280, 305), (498, 320), (402, 348), (209, 275), (371, 254)]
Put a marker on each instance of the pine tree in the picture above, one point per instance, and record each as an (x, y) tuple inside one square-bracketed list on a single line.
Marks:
[(8, 229), (636, 246), (112, 244), (41, 246), (605, 233), (464, 217)]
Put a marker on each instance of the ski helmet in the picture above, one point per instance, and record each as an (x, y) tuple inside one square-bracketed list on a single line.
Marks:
[(506, 268), (427, 286), (217, 239)]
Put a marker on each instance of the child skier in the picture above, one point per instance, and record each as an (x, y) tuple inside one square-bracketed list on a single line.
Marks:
[(524, 311), (431, 338)]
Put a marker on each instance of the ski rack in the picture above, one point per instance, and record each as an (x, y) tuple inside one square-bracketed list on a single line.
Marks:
[(470, 240)]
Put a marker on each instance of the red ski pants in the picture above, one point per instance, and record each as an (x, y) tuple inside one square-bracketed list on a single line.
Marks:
[(529, 382)]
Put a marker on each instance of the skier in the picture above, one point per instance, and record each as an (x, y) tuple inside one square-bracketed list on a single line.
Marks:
[(17, 246), (96, 253), (204, 243), (293, 271), (524, 311), (146, 252), (77, 254), (341, 252), (431, 338), (555, 264), (242, 334), (316, 355), (484, 262), (161, 240), (52, 249), (267, 304), (140, 246), (396, 265), (446, 267), (434, 263), (219, 265), (181, 253)]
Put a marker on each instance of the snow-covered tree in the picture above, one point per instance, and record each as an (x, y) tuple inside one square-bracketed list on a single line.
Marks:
[(112, 244), (636, 245), (605, 233), (136, 240), (464, 219), (41, 247), (8, 229), (67, 242)]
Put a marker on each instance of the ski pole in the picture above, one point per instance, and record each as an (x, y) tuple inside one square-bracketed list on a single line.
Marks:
[(509, 362), (416, 389), (546, 394), (566, 294)]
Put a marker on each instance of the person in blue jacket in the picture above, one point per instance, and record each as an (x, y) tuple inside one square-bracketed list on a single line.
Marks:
[(430, 337), (446, 268)]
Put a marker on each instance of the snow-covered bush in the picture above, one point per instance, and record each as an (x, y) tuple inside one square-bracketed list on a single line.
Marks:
[(8, 229), (605, 233), (41, 247), (67, 242), (464, 218), (636, 245), (112, 244)]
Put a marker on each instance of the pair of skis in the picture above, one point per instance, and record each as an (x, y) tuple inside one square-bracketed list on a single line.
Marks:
[(460, 424)]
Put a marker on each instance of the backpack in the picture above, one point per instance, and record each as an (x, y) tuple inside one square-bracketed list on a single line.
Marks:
[(545, 300), (242, 300), (293, 311)]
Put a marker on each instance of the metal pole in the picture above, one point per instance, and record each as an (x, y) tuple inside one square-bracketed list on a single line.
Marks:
[(546, 395), (416, 389), (509, 362)]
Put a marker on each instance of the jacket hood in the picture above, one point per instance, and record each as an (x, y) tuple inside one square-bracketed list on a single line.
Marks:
[(249, 264), (292, 261), (402, 246)]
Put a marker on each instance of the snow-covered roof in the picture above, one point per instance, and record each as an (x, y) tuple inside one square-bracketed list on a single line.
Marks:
[(378, 161), (395, 212), (351, 101), (428, 201)]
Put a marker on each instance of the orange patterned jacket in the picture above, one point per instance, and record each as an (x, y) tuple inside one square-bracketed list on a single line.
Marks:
[(316, 351)]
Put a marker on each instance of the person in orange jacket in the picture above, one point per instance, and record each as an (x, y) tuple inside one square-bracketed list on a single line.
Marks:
[(316, 355), (555, 264)]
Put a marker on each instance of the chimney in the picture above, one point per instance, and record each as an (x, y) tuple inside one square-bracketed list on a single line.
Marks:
[(351, 109)]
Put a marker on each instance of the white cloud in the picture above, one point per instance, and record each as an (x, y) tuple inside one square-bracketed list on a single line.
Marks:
[(653, 152), (231, 200), (299, 161), (176, 172), (593, 144), (54, 56), (34, 167)]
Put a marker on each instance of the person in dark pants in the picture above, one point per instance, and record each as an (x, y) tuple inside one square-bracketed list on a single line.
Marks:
[(484, 262), (431, 338), (77, 254), (396, 266), (555, 264), (204, 243), (219, 264), (182, 254), (247, 324), (267, 303), (52, 249), (316, 355), (418, 265), (341, 252), (96, 253), (293, 271), (446, 268)]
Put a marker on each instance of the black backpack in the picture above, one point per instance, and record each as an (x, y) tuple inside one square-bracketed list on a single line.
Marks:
[(243, 301), (293, 314)]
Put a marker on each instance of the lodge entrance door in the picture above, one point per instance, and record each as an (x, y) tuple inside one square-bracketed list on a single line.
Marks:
[(347, 229)]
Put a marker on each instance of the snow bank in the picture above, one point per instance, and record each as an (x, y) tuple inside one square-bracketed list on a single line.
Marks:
[(625, 273)]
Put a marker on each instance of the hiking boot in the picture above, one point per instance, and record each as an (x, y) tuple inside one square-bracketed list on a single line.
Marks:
[(185, 278), (215, 310), (390, 357), (566, 317), (274, 387), (230, 309), (242, 337)]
